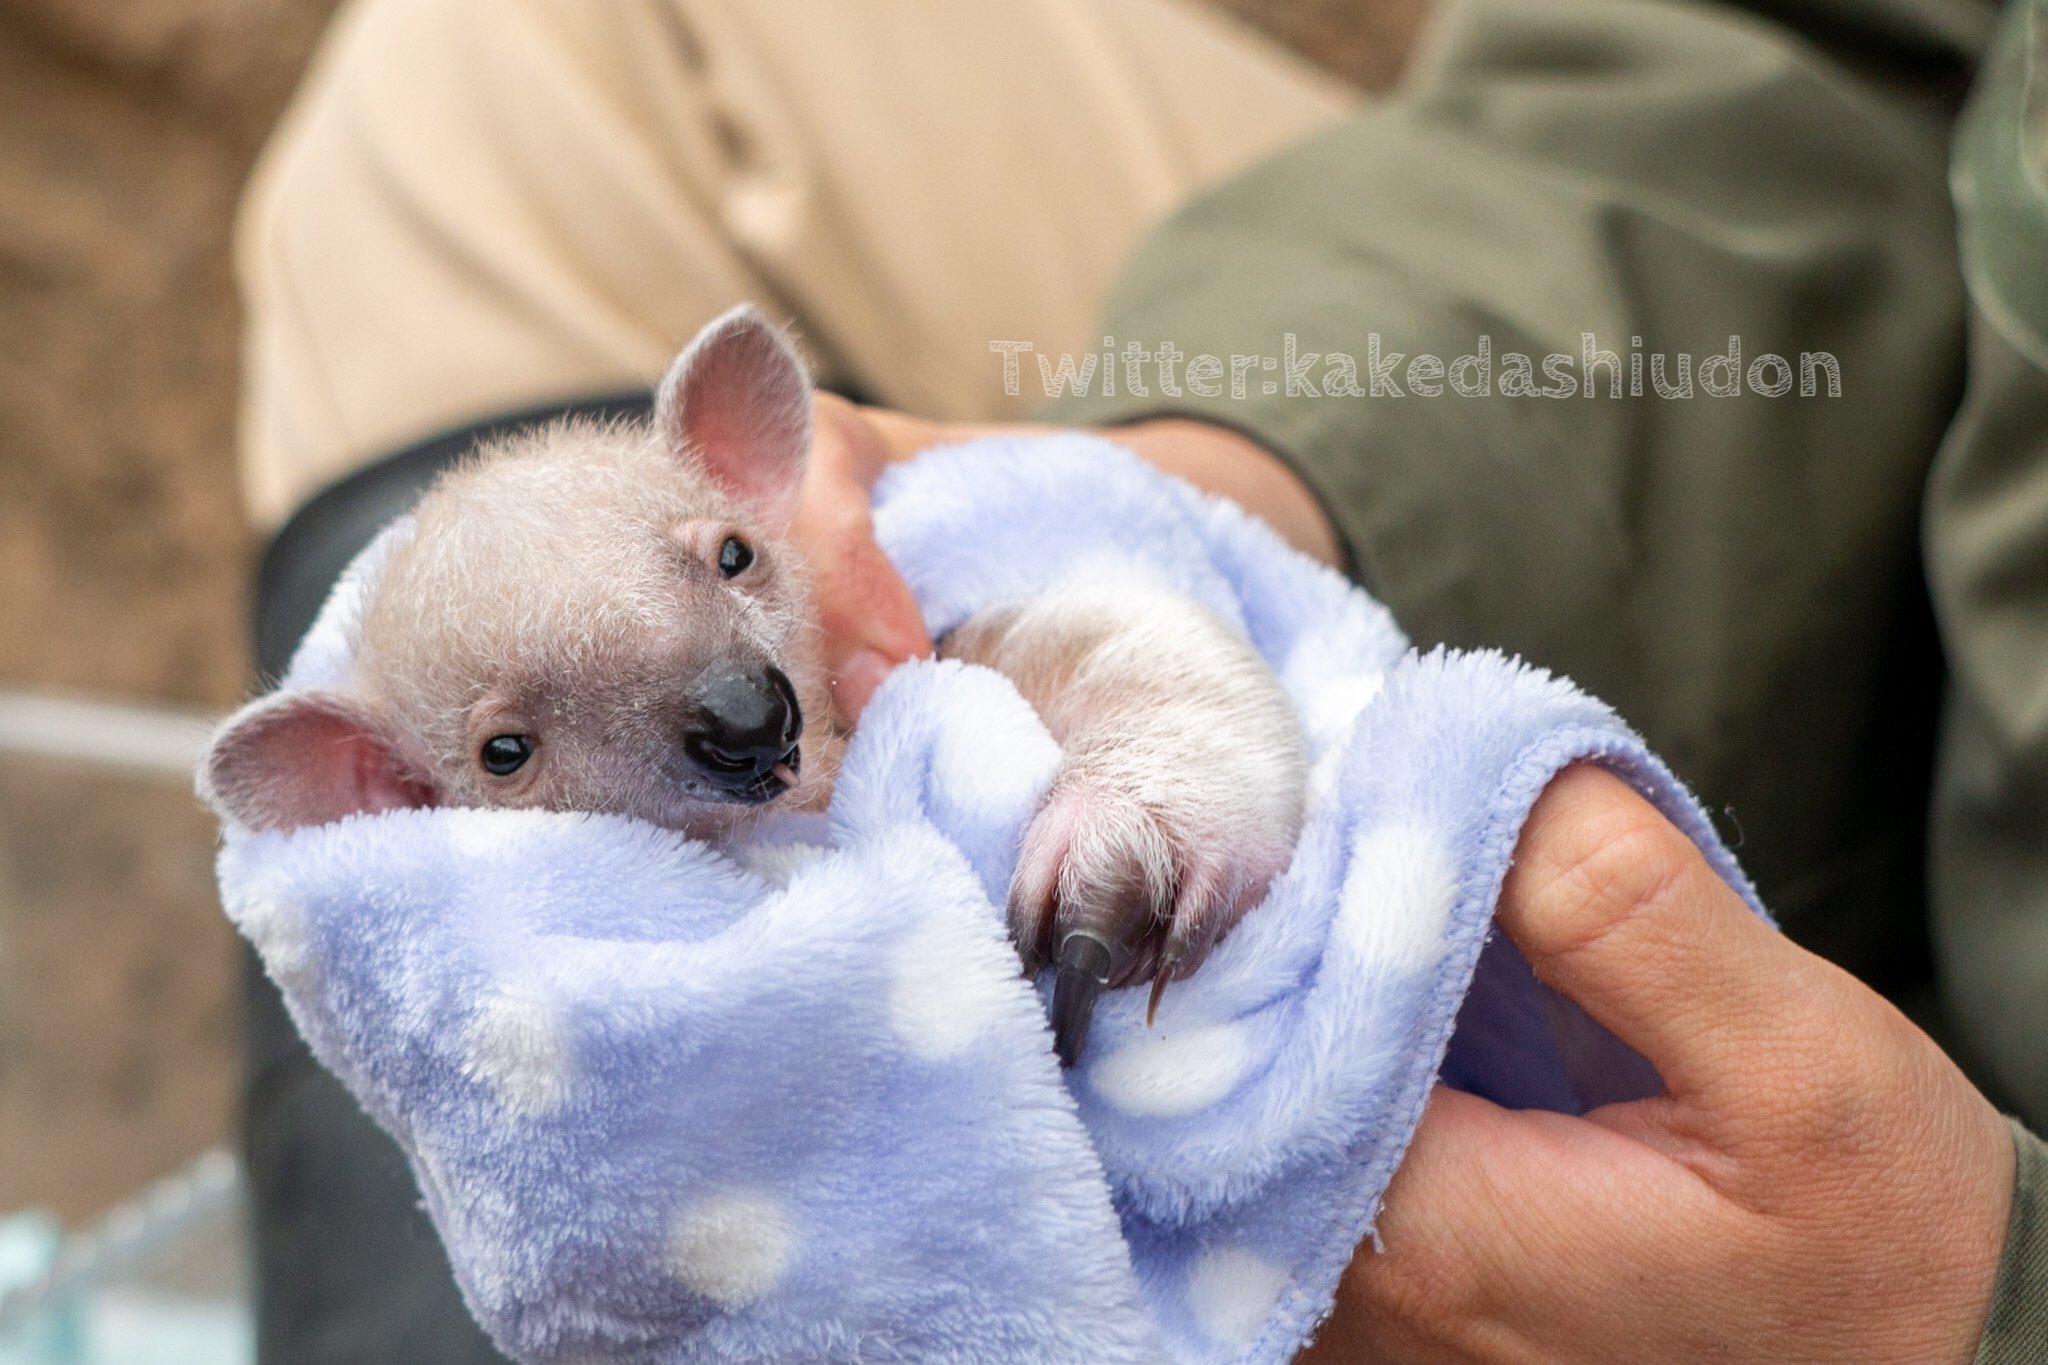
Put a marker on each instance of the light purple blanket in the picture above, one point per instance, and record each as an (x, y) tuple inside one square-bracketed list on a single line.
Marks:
[(794, 1102)]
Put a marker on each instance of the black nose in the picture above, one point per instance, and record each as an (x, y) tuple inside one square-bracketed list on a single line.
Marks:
[(747, 722)]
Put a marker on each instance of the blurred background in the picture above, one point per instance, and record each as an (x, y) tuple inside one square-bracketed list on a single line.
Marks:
[(125, 132)]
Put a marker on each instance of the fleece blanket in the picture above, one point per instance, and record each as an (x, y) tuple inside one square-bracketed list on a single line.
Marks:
[(793, 1100)]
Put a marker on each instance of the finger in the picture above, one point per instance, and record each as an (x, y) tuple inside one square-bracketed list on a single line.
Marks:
[(846, 445), (1617, 909), (871, 623), (1500, 1236), (1423, 1284), (868, 617)]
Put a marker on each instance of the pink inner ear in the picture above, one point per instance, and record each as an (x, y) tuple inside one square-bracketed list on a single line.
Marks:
[(378, 782), (307, 760), (739, 402)]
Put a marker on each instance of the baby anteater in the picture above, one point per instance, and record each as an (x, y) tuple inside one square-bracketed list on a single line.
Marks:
[(608, 618)]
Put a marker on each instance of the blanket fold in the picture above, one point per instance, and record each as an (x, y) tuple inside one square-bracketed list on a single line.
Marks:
[(793, 1100)]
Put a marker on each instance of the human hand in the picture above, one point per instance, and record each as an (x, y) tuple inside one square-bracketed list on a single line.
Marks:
[(1818, 1183), (870, 620)]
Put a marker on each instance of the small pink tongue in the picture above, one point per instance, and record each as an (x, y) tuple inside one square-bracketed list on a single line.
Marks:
[(786, 773)]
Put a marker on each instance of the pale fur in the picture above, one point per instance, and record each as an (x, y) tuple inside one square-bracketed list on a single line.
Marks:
[(1180, 792), (567, 578), (564, 584)]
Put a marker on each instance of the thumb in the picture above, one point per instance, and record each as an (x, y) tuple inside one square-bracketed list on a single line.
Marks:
[(871, 623), (1618, 910), (869, 620)]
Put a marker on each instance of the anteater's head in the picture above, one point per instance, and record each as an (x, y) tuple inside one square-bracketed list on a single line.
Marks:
[(584, 617)]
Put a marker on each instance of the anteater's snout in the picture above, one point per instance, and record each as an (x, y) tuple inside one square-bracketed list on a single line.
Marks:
[(743, 736)]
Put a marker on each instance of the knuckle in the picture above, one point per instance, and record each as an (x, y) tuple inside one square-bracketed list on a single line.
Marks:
[(1841, 1082), (1590, 871), (1421, 1289)]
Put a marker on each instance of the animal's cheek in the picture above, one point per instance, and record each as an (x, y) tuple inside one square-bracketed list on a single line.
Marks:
[(526, 787), (578, 780), (798, 649), (628, 779)]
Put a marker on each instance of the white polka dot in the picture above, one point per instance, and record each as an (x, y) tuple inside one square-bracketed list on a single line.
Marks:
[(519, 1046), (1397, 899), (1167, 1075), (1335, 706), (733, 1248), (1233, 1293), (948, 983), (277, 927), (997, 765)]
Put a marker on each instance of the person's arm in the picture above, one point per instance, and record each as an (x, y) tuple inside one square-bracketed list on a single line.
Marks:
[(1987, 561), (1987, 548), (1730, 571), (1737, 575), (2016, 1327), (1662, 177)]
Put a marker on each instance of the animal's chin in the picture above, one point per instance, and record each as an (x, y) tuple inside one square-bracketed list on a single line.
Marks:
[(698, 806), (759, 792)]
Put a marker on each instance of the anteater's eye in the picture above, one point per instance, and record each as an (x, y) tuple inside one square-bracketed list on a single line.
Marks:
[(505, 754), (734, 556)]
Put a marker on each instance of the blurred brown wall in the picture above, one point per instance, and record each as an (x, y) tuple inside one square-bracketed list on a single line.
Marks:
[(125, 131), (126, 127)]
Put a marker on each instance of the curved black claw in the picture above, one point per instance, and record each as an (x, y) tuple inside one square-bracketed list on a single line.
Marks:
[(1085, 966)]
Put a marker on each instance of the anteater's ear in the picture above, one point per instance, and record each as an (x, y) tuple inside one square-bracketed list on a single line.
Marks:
[(304, 758), (737, 400)]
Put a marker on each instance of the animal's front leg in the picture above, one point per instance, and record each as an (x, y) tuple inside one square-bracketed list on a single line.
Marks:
[(1179, 795)]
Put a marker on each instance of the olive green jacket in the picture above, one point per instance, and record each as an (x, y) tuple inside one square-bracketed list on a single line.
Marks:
[(1490, 320)]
